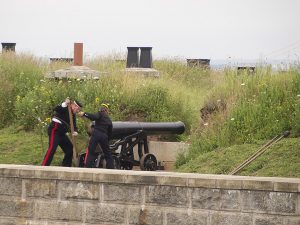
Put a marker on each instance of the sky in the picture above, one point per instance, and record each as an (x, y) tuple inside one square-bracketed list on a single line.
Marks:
[(212, 29)]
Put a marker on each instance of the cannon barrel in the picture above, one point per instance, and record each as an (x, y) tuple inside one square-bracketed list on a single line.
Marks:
[(122, 129)]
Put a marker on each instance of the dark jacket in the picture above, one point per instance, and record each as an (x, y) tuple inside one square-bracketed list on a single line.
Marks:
[(62, 114), (102, 122)]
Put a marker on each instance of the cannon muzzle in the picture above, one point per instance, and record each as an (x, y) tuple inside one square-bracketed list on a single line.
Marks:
[(121, 129)]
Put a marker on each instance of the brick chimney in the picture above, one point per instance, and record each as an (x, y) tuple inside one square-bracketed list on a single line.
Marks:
[(78, 54)]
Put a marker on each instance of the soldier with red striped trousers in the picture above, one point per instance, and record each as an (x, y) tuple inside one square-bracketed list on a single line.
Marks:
[(57, 130)]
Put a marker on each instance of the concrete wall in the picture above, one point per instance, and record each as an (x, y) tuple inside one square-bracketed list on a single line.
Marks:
[(37, 195), (165, 152)]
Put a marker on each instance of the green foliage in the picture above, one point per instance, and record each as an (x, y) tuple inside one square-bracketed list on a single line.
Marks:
[(130, 96), (18, 75), (20, 147), (258, 107), (242, 109), (281, 159)]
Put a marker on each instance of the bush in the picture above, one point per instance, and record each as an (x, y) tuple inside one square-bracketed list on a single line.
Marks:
[(18, 75)]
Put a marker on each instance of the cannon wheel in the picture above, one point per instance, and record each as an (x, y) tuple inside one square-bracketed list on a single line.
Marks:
[(148, 162)]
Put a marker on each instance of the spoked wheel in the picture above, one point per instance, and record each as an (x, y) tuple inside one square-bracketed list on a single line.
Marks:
[(148, 162)]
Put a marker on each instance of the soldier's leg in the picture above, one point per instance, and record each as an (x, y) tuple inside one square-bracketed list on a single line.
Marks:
[(91, 154), (107, 153), (67, 147), (54, 139)]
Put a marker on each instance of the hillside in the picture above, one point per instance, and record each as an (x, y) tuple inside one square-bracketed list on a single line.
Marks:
[(228, 115)]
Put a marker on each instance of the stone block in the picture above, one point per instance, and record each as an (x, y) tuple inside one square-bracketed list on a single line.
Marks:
[(39, 222), (104, 213), (40, 188), (143, 179), (72, 175), (48, 222), (174, 181), (167, 195), (27, 173), (16, 208), (146, 216), (230, 200), (204, 198), (202, 183), (108, 178), (11, 186), (272, 202), (286, 186), (62, 223), (257, 185), (267, 220), (291, 220), (227, 183), (123, 193), (9, 172), (75, 72), (78, 190), (145, 72), (180, 218), (230, 218), (11, 221), (167, 151), (46, 174), (59, 210)]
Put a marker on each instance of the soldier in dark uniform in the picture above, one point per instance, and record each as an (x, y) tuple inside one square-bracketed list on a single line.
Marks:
[(101, 134), (57, 130)]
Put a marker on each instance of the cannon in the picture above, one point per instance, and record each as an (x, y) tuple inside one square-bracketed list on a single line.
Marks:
[(127, 135)]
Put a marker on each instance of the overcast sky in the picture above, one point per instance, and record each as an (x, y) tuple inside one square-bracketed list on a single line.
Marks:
[(215, 29)]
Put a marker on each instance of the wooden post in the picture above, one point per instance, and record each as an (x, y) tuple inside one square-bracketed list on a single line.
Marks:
[(72, 136)]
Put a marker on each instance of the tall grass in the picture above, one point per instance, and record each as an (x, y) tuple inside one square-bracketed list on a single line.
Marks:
[(258, 107), (18, 75), (243, 108), (132, 97)]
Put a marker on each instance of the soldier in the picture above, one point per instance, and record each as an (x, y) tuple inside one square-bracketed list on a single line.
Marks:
[(57, 130), (101, 134)]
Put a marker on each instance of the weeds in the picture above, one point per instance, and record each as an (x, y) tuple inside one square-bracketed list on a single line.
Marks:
[(236, 108)]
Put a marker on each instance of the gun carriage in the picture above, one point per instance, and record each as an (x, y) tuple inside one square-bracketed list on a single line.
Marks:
[(126, 136)]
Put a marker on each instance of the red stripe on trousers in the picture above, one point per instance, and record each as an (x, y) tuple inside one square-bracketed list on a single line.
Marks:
[(86, 155), (51, 144)]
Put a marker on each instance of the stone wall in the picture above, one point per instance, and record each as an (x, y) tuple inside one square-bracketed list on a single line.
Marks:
[(37, 195)]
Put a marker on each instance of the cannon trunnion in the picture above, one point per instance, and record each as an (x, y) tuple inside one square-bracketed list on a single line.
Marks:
[(126, 136)]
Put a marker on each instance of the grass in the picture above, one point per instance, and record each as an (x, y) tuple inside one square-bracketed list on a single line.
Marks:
[(228, 115), (280, 160), (29, 148), (20, 147)]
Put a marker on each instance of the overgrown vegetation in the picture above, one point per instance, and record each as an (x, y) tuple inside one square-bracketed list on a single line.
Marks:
[(245, 109), (227, 114)]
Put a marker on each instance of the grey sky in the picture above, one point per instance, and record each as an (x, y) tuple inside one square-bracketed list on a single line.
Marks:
[(215, 29)]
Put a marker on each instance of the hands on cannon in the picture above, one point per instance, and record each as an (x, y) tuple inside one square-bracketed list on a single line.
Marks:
[(128, 135)]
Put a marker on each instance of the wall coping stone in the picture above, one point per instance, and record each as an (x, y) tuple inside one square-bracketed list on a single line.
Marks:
[(152, 178)]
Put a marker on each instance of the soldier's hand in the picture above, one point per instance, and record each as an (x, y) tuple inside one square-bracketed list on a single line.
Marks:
[(80, 114), (67, 101), (75, 133)]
